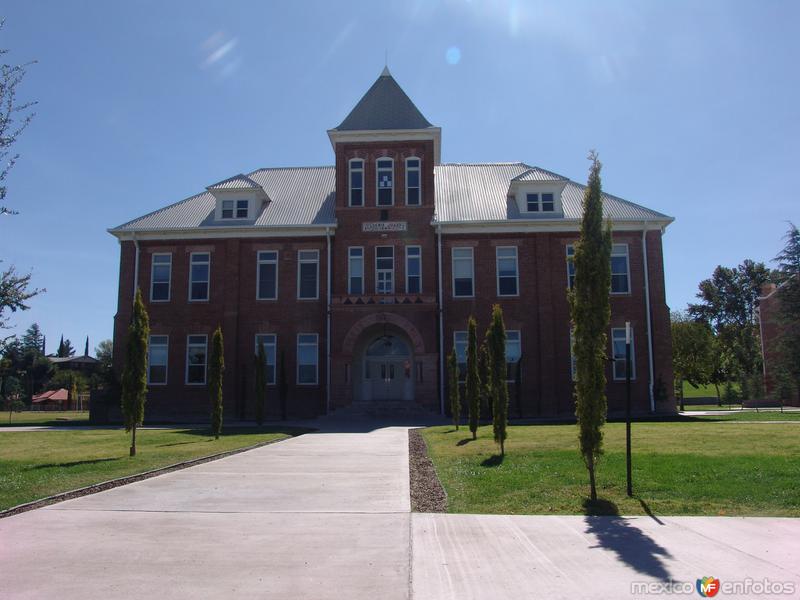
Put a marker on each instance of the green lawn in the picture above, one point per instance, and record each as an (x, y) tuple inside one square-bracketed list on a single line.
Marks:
[(694, 467), (45, 417), (41, 463)]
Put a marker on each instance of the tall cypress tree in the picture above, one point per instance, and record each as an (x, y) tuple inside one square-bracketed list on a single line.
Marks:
[(216, 370), (134, 373), (590, 311), (498, 368), (452, 387), (261, 383), (473, 378), (283, 385), (484, 368)]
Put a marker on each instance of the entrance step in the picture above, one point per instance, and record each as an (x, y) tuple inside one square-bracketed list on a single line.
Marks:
[(384, 408)]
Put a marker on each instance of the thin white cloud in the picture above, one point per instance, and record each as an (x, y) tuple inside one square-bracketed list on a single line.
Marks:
[(221, 52)]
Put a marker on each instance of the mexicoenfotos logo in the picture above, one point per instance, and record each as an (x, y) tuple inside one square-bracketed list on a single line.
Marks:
[(708, 587)]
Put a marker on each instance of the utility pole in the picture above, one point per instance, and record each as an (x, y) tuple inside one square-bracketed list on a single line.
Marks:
[(628, 407)]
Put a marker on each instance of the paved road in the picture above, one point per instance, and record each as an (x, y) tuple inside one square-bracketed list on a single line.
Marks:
[(326, 515)]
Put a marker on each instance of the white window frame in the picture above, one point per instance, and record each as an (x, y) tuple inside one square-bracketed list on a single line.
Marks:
[(620, 332), (377, 271), (191, 280), (350, 171), (150, 346), (205, 364), (350, 259), (378, 179), (516, 269), (234, 209), (616, 251), (266, 261), (316, 358), (153, 271), (540, 203), (408, 260), (274, 344), (570, 256), (302, 261), (453, 260), (519, 341), (418, 170)]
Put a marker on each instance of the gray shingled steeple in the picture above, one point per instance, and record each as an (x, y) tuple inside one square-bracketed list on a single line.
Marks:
[(384, 106)]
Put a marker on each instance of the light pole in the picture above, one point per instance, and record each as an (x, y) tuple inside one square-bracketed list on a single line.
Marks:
[(628, 407)]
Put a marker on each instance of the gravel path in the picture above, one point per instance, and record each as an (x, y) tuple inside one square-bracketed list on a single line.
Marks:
[(427, 493)]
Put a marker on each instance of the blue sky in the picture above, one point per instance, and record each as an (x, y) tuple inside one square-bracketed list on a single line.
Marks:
[(693, 106)]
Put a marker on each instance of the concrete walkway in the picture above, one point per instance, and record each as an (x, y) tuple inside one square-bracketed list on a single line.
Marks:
[(326, 515)]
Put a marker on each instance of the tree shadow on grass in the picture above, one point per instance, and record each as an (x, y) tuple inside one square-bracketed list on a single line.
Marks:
[(493, 461), (619, 535), (464, 442), (649, 512), (76, 463), (179, 443)]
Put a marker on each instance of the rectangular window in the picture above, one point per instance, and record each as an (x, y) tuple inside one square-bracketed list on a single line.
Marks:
[(160, 275), (507, 271), (413, 270), (540, 202), (308, 274), (242, 208), (384, 269), (513, 353), (413, 184), (237, 209), (199, 272), (158, 352), (463, 273), (620, 275), (618, 348), (196, 352), (570, 266), (307, 357), (269, 341), (267, 275), (460, 340), (355, 270), (227, 209), (356, 182), (385, 181)]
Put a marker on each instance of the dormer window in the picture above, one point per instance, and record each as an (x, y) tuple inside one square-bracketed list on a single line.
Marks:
[(356, 182), (413, 196), (235, 209), (540, 202), (385, 176)]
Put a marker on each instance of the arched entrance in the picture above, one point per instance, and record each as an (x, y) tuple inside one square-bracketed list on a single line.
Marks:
[(387, 370)]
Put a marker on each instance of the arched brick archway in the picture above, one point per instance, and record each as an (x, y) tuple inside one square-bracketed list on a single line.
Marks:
[(379, 319)]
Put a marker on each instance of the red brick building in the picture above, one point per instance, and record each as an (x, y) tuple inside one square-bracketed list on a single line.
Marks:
[(362, 275)]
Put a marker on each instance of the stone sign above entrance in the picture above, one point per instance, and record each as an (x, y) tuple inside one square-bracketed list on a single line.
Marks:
[(385, 226)]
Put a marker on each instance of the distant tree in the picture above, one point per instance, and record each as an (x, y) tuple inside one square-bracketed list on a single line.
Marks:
[(729, 395), (216, 372), (498, 373), (473, 391), (73, 392), (104, 352), (727, 303), (484, 367), (283, 386), (692, 344), (718, 366), (64, 379), (134, 373), (590, 311), (65, 348), (788, 345), (452, 387), (260, 383), (33, 339), (13, 406)]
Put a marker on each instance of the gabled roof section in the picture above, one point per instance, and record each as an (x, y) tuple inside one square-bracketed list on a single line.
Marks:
[(299, 197), (237, 182), (473, 193), (384, 106), (537, 174)]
